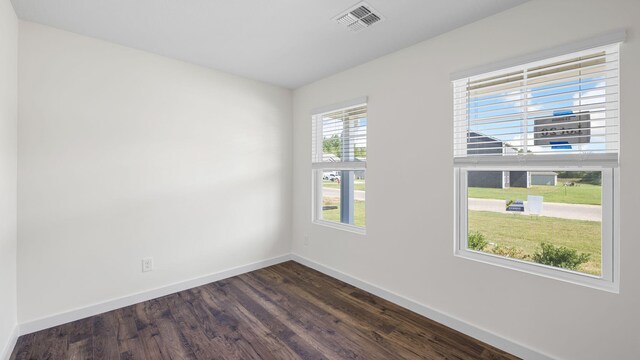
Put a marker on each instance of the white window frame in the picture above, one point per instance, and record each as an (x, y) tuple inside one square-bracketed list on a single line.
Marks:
[(318, 169), (606, 163), (609, 280), (317, 204)]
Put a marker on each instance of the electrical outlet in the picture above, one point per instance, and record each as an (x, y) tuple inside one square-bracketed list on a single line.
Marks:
[(147, 264), (306, 240)]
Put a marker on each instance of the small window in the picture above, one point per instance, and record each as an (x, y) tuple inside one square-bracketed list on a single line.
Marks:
[(536, 157), (339, 158)]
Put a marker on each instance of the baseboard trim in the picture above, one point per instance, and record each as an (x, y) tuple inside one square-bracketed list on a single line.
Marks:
[(11, 344), (450, 321), (99, 308)]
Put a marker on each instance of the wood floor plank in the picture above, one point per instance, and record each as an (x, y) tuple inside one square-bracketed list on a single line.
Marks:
[(225, 333), (105, 343), (80, 338), (129, 344), (51, 344), (168, 333), (282, 330), (24, 347), (149, 334), (81, 350), (192, 334), (80, 330), (326, 343), (231, 317), (365, 324), (406, 332), (344, 342), (286, 311), (355, 315), (228, 345)]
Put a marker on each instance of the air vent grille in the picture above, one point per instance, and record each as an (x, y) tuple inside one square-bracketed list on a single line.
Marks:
[(361, 12), (370, 19), (359, 17)]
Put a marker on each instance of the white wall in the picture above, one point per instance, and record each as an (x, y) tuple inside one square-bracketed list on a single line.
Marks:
[(125, 154), (8, 170), (408, 248)]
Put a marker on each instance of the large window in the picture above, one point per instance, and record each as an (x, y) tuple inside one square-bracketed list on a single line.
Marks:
[(339, 158), (536, 161)]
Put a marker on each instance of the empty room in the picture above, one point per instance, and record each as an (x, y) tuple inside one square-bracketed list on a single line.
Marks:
[(197, 179)]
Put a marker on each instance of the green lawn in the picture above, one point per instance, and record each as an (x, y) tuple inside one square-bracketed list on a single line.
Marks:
[(526, 232), (359, 184), (579, 194), (334, 215)]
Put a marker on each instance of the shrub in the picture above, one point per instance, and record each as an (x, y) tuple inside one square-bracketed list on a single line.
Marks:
[(509, 251), (476, 241), (584, 177), (559, 256)]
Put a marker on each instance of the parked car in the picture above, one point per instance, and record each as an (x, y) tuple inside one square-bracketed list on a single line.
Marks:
[(331, 176)]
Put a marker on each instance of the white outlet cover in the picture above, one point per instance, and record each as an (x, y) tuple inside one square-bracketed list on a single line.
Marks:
[(147, 264)]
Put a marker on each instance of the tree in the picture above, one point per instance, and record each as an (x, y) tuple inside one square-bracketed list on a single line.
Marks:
[(592, 177), (332, 145)]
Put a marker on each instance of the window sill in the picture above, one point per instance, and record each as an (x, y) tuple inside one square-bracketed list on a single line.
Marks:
[(550, 272), (339, 226)]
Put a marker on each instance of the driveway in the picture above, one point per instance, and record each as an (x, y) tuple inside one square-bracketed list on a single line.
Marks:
[(558, 210)]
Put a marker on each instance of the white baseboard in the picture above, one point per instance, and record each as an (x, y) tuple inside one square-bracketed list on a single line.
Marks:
[(99, 308), (450, 321), (13, 339)]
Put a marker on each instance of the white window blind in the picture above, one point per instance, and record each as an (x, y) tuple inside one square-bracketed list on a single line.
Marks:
[(562, 108), (339, 138)]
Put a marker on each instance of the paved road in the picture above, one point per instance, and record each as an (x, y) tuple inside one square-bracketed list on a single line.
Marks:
[(331, 192), (559, 210)]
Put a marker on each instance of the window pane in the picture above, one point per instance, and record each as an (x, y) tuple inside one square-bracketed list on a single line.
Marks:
[(343, 197), (563, 105), (548, 217), (331, 195), (344, 135)]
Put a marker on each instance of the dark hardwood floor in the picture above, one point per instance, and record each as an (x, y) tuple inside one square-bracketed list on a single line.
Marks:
[(286, 311)]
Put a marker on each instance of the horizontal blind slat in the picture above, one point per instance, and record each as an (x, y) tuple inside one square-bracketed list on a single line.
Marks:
[(566, 81), (540, 113), (549, 152), (520, 118), (512, 142), (462, 96), (541, 77), (462, 106), (520, 124), (547, 103)]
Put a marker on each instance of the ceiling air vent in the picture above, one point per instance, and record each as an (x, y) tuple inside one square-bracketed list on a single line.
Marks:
[(359, 17)]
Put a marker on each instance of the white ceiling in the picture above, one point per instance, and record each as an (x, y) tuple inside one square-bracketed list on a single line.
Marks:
[(283, 42)]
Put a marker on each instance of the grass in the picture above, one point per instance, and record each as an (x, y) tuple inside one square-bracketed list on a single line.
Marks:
[(525, 233), (579, 194), (359, 184), (359, 218)]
